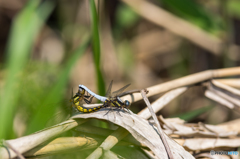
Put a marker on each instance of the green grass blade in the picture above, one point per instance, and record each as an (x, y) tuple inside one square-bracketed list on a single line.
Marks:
[(96, 48), (25, 29), (44, 112), (194, 113)]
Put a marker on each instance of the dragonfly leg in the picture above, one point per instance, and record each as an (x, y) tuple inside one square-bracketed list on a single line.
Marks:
[(108, 111), (118, 111), (87, 100), (111, 109), (91, 99), (128, 111)]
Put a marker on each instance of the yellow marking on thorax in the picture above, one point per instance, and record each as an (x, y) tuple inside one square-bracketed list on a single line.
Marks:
[(118, 104), (112, 104)]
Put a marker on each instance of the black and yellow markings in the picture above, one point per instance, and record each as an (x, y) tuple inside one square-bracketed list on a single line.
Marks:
[(77, 98), (86, 110), (76, 101), (114, 103), (109, 102)]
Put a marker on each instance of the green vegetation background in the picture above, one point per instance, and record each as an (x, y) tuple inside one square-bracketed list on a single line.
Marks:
[(34, 90)]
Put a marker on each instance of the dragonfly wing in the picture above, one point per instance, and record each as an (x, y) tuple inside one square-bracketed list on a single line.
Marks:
[(114, 94), (108, 94)]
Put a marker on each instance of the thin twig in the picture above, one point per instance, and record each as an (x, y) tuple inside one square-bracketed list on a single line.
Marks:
[(215, 97), (223, 96), (169, 153), (185, 81), (233, 82), (227, 88), (162, 101)]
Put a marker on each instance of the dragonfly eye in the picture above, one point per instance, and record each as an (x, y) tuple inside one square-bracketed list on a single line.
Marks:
[(127, 103)]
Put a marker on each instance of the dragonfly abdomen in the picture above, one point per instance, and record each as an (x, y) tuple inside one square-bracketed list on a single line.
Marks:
[(88, 110)]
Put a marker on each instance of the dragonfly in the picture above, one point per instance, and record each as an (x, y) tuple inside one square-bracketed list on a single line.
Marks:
[(112, 99)]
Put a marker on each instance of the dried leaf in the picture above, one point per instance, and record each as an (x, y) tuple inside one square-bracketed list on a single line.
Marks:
[(232, 125), (201, 130), (25, 143), (141, 131)]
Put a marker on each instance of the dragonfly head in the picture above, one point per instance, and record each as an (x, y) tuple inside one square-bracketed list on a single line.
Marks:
[(127, 103), (81, 91)]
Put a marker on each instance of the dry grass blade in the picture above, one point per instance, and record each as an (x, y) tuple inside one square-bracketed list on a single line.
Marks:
[(226, 88), (169, 153), (183, 28), (212, 95), (199, 130), (232, 125), (162, 101), (141, 130), (217, 130), (227, 95), (185, 81), (63, 144), (26, 143), (230, 82)]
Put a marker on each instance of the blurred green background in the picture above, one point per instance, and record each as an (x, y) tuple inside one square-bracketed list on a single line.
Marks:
[(48, 48)]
